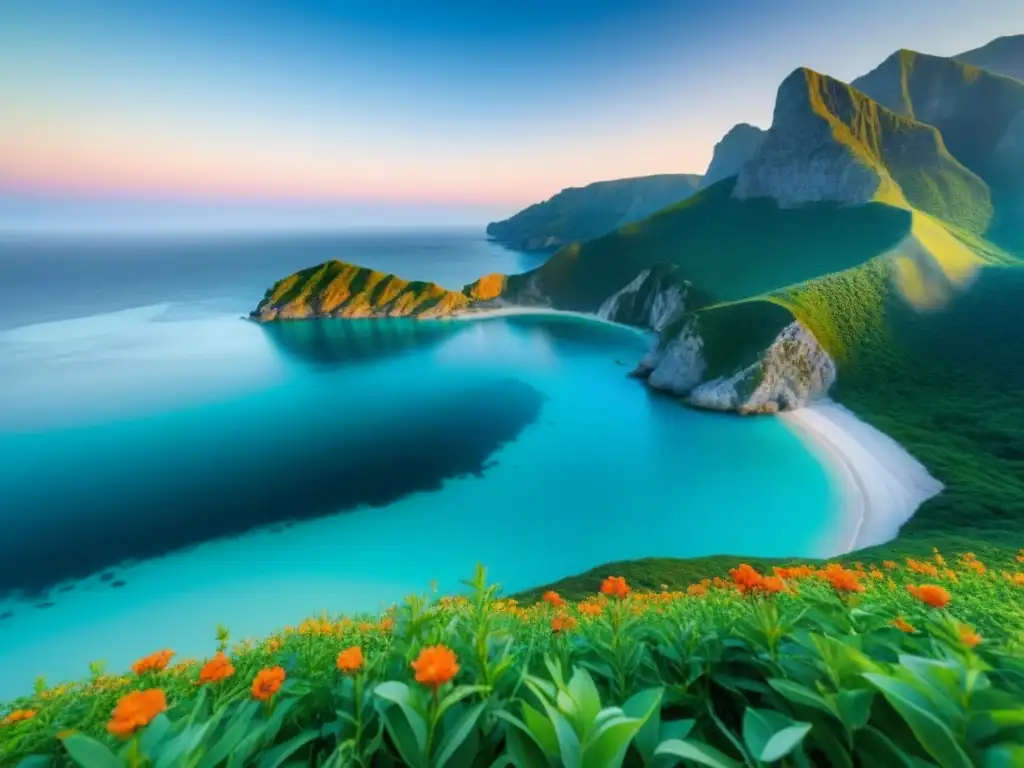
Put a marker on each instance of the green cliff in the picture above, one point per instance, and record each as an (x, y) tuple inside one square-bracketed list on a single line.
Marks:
[(583, 213)]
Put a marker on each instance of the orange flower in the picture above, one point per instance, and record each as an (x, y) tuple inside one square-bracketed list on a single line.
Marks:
[(697, 590), (939, 559), (745, 577), (386, 624), (841, 579), (1020, 556), (975, 565), (951, 575), (553, 599), (890, 565), (933, 595), (273, 645), (876, 574), (351, 660), (900, 623), (435, 666), (19, 715), (968, 636), (590, 609), (152, 663), (267, 682), (216, 669), (136, 710), (772, 584), (615, 586), (918, 567), (563, 623)]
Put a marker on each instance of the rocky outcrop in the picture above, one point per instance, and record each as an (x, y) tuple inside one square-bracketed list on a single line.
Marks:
[(337, 289), (791, 372), (578, 214), (801, 159), (732, 152), (653, 299)]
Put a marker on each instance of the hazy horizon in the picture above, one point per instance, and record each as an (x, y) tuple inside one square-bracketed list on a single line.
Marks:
[(341, 114)]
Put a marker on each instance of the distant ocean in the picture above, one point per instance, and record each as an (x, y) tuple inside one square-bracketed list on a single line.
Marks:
[(166, 466)]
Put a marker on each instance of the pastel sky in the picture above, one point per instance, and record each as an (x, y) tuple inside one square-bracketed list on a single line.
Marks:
[(387, 111)]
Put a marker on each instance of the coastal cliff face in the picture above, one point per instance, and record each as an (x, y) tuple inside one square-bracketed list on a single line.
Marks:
[(583, 213), (732, 152), (337, 289), (790, 372), (655, 298)]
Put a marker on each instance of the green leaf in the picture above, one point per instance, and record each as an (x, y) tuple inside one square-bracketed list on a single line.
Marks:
[(276, 756), (783, 742), (760, 725), (173, 751), (157, 730), (799, 694), (646, 706), (696, 752), (854, 707), (89, 753), (586, 699), (398, 693), (676, 729), (568, 741), (541, 729), (521, 746), (931, 733), (609, 744), (453, 740), (1003, 756), (233, 734), (875, 748), (458, 694)]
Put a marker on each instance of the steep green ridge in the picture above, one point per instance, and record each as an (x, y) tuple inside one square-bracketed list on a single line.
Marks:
[(979, 114), (1004, 56), (337, 289), (583, 213), (729, 248)]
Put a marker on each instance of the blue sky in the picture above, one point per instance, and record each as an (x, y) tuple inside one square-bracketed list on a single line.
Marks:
[(404, 111)]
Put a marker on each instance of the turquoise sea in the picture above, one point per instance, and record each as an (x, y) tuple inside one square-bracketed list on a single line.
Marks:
[(166, 466)]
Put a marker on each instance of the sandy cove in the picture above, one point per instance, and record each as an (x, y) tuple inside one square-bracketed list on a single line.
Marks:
[(881, 484)]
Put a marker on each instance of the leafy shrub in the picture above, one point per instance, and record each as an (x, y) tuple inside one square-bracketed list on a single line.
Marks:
[(914, 664)]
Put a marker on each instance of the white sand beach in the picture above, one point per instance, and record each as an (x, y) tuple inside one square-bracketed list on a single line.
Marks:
[(882, 485)]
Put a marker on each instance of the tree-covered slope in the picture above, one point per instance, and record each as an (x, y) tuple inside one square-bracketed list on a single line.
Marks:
[(1004, 56), (583, 213)]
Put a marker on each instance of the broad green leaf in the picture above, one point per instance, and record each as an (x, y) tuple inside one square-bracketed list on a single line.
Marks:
[(800, 694), (783, 742), (760, 725), (416, 727), (89, 753), (609, 744), (541, 729), (276, 756), (854, 707), (453, 740), (933, 735), (177, 748), (458, 694), (233, 734), (646, 706), (282, 708), (875, 748), (585, 697), (36, 761), (523, 749), (1003, 756), (155, 733), (676, 729), (696, 752), (568, 741)]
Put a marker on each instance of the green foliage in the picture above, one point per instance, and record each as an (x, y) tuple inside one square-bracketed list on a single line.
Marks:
[(797, 675)]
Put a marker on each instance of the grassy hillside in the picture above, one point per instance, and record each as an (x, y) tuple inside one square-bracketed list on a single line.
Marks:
[(337, 289), (729, 248), (583, 213)]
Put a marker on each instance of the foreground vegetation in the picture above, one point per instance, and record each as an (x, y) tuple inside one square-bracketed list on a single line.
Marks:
[(913, 663)]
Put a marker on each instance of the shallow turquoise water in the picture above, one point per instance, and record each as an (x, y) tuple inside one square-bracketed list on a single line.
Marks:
[(260, 475)]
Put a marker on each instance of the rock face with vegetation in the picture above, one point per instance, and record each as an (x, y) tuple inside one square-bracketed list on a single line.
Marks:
[(732, 152), (862, 251), (1004, 56), (337, 289), (583, 213)]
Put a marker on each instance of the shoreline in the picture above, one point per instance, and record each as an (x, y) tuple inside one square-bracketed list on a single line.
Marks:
[(487, 314), (880, 484)]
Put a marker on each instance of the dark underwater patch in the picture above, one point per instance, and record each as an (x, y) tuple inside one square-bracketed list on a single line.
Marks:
[(70, 528)]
